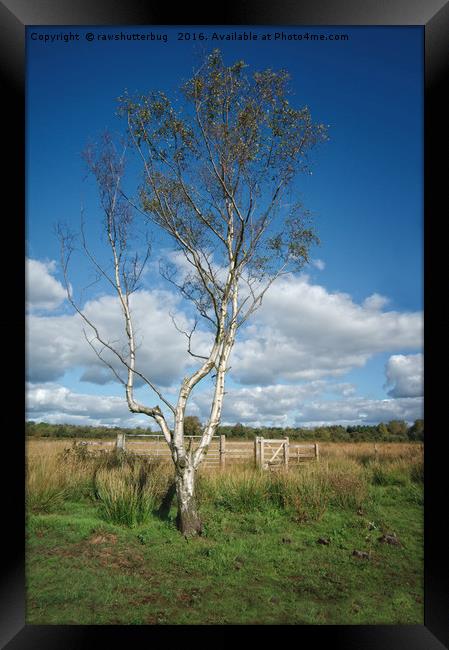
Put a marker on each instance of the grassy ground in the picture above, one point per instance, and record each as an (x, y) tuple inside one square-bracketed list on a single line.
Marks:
[(259, 561)]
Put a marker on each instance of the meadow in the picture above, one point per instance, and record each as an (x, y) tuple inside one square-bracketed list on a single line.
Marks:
[(338, 541)]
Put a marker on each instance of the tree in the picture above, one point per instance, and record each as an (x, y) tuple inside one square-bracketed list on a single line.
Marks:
[(237, 431), (192, 425), (383, 431), (218, 179), (398, 428), (416, 431)]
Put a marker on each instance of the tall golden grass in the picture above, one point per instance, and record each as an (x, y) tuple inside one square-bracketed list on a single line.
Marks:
[(384, 451), (129, 488), (53, 477)]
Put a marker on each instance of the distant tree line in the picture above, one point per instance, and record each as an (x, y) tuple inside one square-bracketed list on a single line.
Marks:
[(392, 431), (45, 430)]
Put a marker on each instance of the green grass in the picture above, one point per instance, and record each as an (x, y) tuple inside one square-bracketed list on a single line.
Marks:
[(258, 561)]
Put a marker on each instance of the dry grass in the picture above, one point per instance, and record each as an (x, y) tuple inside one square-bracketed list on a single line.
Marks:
[(53, 477), (364, 451), (359, 451), (348, 482), (305, 490), (45, 484), (129, 488)]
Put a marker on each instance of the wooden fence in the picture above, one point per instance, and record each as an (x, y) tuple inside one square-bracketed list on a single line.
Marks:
[(155, 446), (265, 453)]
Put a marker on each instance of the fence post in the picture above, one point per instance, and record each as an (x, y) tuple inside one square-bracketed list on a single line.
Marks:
[(222, 451), (120, 444), (261, 452), (286, 452), (317, 452), (256, 451)]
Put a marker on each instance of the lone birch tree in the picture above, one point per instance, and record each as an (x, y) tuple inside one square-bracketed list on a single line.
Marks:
[(218, 171)]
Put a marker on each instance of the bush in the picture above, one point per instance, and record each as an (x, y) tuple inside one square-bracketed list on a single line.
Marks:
[(309, 496), (128, 487)]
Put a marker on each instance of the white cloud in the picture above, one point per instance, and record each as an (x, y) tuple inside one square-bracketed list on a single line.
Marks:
[(56, 344), (375, 302), (318, 264), (405, 374), (260, 404), (277, 405), (304, 332), (43, 291), (306, 405), (359, 410), (56, 404)]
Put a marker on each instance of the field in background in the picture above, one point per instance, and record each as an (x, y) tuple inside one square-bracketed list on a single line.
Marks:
[(385, 450), (337, 541)]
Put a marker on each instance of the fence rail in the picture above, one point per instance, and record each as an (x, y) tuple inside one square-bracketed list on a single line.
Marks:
[(266, 453), (155, 446)]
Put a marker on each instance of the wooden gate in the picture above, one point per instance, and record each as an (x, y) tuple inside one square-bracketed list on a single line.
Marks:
[(278, 453), (271, 453)]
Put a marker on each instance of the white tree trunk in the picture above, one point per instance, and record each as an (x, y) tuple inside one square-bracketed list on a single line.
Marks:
[(188, 520)]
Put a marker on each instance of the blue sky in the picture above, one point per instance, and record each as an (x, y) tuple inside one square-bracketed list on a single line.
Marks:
[(366, 194)]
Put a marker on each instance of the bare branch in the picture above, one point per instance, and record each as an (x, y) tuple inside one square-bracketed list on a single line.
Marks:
[(102, 359), (188, 335)]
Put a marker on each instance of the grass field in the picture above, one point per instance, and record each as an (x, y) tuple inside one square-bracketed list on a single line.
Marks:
[(277, 548)]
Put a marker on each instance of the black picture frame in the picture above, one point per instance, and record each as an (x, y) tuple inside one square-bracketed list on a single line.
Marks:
[(433, 15)]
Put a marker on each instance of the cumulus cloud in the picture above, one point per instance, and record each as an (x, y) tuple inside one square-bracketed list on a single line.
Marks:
[(306, 404), (405, 374), (56, 343), (375, 302), (302, 334), (302, 331), (43, 291), (261, 403), (55, 404), (276, 405), (318, 264), (359, 410)]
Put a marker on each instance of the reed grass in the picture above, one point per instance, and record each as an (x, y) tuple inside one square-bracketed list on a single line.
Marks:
[(130, 488)]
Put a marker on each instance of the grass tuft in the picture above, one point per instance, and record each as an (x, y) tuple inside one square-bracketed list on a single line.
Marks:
[(130, 491)]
